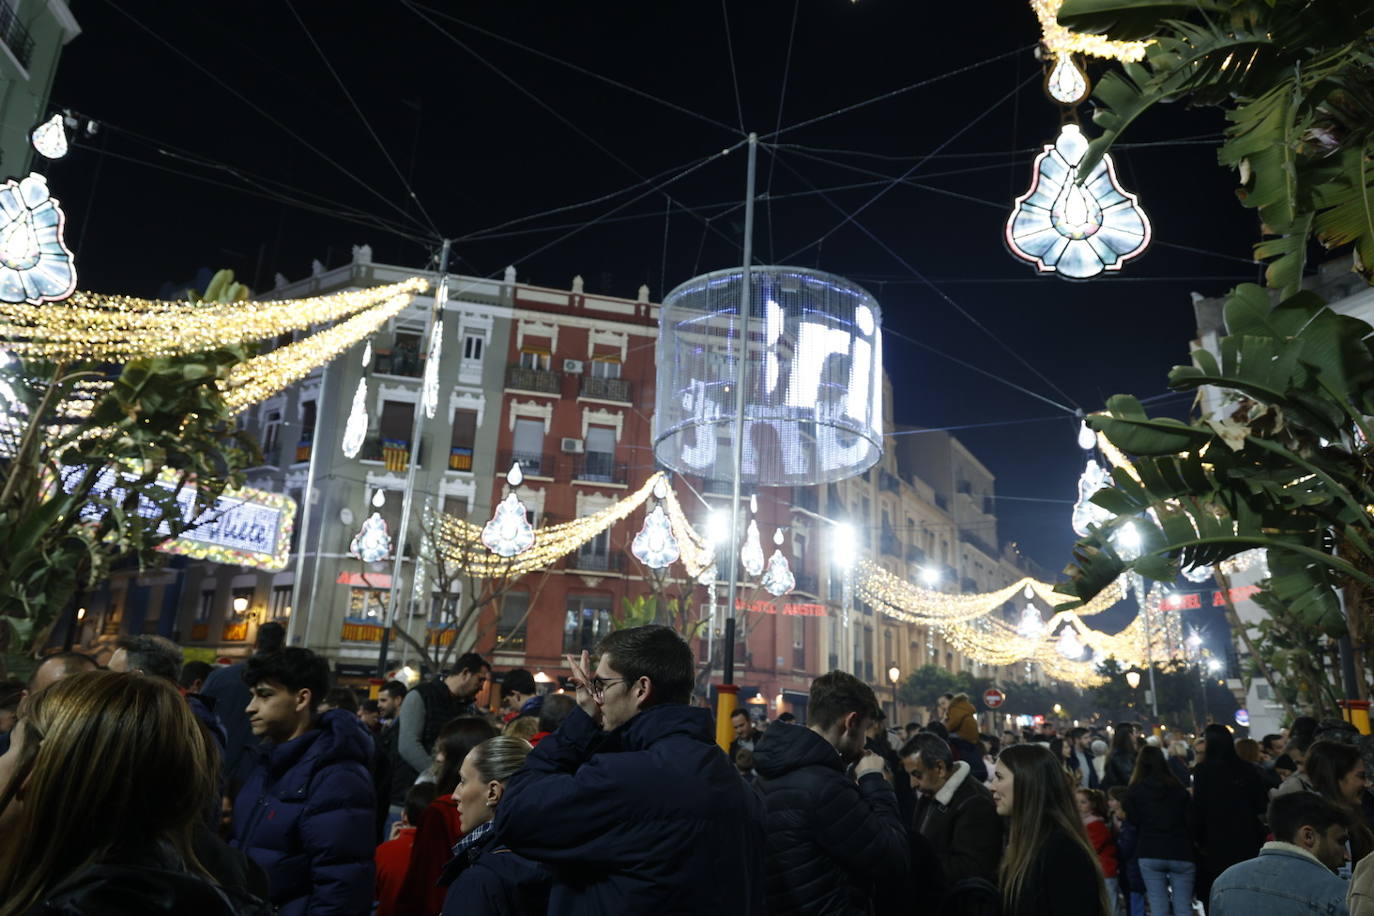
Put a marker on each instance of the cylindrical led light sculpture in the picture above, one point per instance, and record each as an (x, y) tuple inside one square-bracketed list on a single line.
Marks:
[(813, 397)]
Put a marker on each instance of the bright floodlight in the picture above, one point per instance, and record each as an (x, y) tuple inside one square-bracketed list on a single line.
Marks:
[(845, 545), (813, 368), (930, 576)]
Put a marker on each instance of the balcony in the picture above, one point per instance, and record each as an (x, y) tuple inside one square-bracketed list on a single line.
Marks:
[(303, 450), (607, 389), (394, 453), (889, 483), (889, 543), (807, 584), (459, 458), (403, 362), (596, 561), (533, 464), (542, 381), (968, 537), (599, 467), (15, 35)]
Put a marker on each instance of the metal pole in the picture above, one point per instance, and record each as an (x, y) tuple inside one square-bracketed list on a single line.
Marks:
[(1149, 644), (436, 326), (725, 703), (302, 538), (741, 379)]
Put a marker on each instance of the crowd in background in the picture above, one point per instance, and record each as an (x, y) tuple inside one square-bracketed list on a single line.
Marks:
[(150, 785)]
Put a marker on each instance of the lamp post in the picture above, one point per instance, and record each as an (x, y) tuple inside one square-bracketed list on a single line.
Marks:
[(894, 674)]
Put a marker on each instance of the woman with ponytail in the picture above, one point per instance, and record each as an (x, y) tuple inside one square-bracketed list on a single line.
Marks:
[(1049, 867)]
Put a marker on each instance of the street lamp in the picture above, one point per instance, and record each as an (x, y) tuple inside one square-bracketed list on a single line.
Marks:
[(930, 576), (1133, 679), (894, 674), (240, 605)]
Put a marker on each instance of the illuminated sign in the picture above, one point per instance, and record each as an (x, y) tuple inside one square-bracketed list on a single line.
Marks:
[(1193, 600), (245, 526), (813, 390), (788, 610)]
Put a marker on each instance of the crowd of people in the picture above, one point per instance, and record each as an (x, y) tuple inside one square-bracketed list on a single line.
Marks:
[(149, 785)]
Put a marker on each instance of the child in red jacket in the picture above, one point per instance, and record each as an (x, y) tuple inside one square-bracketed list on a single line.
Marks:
[(1092, 807), (393, 856)]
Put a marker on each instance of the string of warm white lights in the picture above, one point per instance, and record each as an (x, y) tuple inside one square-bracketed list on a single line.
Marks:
[(1059, 40), (91, 326)]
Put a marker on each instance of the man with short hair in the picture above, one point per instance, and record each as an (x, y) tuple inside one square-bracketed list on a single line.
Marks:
[(50, 670), (225, 686), (389, 700), (954, 811), (1081, 758), (1296, 871), (831, 837), (423, 714), (307, 813), (746, 735), (555, 708), (519, 695), (630, 802), (158, 656), (1271, 746), (193, 675)]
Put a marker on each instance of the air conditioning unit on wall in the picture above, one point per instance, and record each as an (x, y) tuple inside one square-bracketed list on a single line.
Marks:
[(572, 446), (572, 366)]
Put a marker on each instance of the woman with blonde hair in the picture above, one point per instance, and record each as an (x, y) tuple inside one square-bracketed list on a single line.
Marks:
[(1049, 867), (101, 792), (487, 878)]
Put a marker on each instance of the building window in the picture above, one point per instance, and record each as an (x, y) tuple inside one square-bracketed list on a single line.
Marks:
[(460, 445), (512, 625), (472, 347), (206, 606), (535, 358), (599, 463), (280, 608), (271, 430), (529, 445), (366, 603), (799, 643), (588, 620), (605, 367)]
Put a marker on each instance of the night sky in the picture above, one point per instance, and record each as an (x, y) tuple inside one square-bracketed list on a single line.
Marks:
[(227, 141)]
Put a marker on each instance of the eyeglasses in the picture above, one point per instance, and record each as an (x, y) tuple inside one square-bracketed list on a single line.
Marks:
[(599, 684)]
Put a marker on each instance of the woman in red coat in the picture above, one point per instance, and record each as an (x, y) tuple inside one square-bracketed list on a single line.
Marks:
[(1092, 807)]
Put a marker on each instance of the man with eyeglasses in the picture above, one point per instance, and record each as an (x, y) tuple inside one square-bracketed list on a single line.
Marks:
[(954, 812), (630, 803)]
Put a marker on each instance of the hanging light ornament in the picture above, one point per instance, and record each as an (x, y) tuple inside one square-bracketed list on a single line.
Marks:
[(1067, 84), (35, 264), (1087, 439), (355, 430), (429, 387), (509, 532), (1199, 573), (50, 138), (751, 555), (1029, 593), (1077, 230), (1031, 624), (367, 354), (779, 580), (372, 543), (1069, 645), (654, 545), (1086, 512)]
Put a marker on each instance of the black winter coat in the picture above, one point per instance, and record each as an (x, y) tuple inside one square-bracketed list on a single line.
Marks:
[(1228, 800), (1160, 814), (230, 695), (829, 839), (651, 818), (490, 880), (963, 827), (1117, 772), (116, 890)]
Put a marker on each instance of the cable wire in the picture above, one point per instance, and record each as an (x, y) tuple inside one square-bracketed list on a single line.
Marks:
[(782, 98), (343, 87), (730, 52)]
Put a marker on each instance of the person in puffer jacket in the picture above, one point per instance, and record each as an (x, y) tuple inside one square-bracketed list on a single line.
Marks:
[(307, 813), (831, 837)]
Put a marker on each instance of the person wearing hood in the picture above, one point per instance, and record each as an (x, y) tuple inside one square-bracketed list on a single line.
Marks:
[(101, 799), (630, 803), (832, 837), (307, 812)]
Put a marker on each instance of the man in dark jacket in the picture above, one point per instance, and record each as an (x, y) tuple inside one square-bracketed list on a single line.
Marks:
[(1081, 758), (307, 813), (831, 837), (424, 711), (630, 802), (954, 812), (231, 696)]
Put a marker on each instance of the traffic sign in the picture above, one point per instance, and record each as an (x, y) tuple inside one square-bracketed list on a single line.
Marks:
[(992, 698)]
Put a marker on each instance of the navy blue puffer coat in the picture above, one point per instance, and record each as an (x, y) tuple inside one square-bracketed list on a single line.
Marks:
[(650, 819), (307, 816)]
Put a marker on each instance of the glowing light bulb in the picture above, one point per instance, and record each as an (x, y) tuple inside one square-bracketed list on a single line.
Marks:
[(379, 498), (777, 537), (515, 476), (1086, 437)]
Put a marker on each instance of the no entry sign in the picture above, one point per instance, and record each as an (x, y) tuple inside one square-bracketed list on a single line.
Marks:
[(992, 698)]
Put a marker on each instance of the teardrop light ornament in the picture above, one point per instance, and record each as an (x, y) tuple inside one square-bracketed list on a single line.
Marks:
[(515, 477), (1086, 437), (661, 488), (1066, 84), (779, 580), (355, 429), (654, 545), (50, 138), (751, 554), (1076, 230), (509, 532)]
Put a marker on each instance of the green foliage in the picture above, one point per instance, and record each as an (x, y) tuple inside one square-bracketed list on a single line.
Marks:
[(159, 419), (222, 288), (1293, 652), (1296, 78), (636, 612)]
